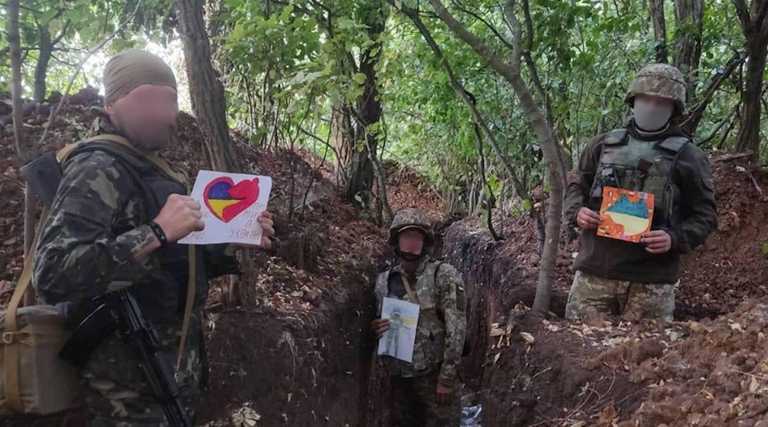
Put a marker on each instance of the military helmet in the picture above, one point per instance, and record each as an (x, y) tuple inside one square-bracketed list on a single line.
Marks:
[(662, 80), (410, 218)]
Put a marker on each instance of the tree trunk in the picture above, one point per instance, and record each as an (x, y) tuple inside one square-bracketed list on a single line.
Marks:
[(544, 134), (690, 25), (749, 132), (14, 44), (205, 89), (352, 137), (343, 142), (369, 107), (656, 12), (43, 58), (209, 103), (696, 112)]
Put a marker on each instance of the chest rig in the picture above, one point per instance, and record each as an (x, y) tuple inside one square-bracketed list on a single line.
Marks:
[(633, 164)]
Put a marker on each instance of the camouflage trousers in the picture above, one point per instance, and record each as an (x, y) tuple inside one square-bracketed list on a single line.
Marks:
[(414, 403), (116, 392), (593, 296)]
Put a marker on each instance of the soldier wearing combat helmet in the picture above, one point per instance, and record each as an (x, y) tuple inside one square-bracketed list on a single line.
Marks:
[(651, 154), (424, 392)]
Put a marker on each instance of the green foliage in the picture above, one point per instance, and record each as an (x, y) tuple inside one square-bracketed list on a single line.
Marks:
[(288, 65), (75, 26), (585, 54)]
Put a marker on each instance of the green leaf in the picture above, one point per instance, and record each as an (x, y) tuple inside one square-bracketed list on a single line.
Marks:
[(359, 78)]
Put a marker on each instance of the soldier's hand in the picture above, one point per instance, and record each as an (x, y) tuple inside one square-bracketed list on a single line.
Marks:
[(267, 229), (180, 216), (380, 327), (587, 219), (443, 393), (657, 241)]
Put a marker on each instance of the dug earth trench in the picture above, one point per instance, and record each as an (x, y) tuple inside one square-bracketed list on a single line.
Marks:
[(288, 340), (706, 368)]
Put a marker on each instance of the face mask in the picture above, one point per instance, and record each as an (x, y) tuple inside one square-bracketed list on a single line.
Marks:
[(407, 256), (651, 116)]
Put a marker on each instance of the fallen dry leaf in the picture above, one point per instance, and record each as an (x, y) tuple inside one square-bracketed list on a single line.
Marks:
[(528, 337)]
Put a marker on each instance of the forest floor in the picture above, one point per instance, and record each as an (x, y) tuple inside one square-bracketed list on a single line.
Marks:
[(294, 349)]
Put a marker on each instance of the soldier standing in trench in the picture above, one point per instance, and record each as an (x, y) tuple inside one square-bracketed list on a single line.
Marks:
[(424, 392), (651, 154), (114, 224)]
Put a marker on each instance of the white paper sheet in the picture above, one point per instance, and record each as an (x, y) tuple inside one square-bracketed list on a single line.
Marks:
[(231, 204), (399, 340)]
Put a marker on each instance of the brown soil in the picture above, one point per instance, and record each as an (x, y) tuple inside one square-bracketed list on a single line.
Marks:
[(732, 265), (294, 348), (708, 373), (405, 188)]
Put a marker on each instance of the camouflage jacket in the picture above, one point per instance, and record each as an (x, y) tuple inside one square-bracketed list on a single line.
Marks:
[(691, 213), (442, 319), (98, 222)]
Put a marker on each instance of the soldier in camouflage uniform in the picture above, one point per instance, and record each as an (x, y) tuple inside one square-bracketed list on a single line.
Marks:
[(424, 392), (651, 154), (114, 223)]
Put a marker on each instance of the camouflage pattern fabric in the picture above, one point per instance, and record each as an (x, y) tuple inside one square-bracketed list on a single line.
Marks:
[(97, 224), (686, 209), (116, 393), (662, 80), (414, 403), (592, 296), (410, 218), (442, 319)]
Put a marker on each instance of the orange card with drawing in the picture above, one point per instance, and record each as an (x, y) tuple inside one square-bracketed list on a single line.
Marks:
[(626, 214)]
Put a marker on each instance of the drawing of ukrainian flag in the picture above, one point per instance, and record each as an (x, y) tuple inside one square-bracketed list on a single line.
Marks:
[(219, 198)]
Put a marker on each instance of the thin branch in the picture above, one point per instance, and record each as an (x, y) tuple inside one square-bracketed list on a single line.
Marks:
[(320, 140), (704, 142), (63, 62), (462, 8), (14, 44), (491, 200), (327, 144), (694, 116), (62, 33), (466, 96), (72, 79)]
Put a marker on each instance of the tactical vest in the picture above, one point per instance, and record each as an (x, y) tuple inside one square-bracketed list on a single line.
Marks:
[(629, 163), (161, 298), (33, 378)]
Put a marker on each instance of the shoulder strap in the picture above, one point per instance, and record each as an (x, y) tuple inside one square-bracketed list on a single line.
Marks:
[(164, 167), (11, 327), (674, 144), (408, 288), (615, 137), (119, 141)]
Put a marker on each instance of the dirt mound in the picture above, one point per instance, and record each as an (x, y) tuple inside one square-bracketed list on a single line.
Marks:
[(556, 373), (731, 267), (73, 123), (406, 189), (508, 267), (716, 377), (293, 348), (553, 373)]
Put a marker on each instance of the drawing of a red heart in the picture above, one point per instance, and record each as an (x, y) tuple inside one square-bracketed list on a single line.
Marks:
[(226, 200)]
